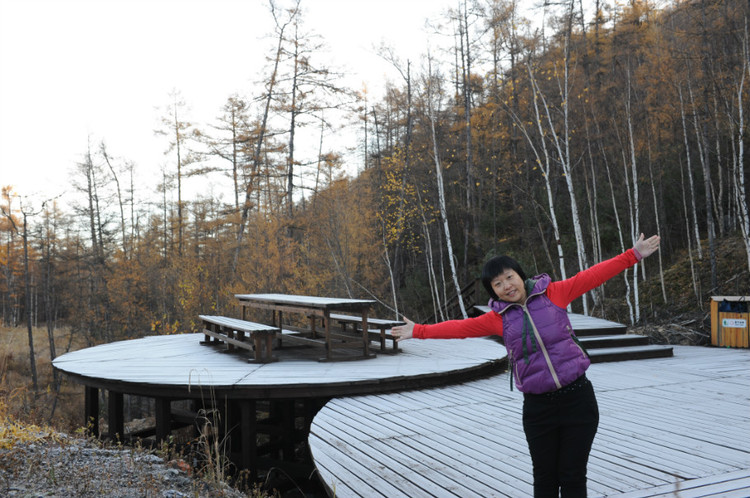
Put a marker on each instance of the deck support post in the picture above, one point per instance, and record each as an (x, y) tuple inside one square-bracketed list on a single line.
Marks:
[(116, 416), (249, 436), (163, 419), (91, 410), (288, 432)]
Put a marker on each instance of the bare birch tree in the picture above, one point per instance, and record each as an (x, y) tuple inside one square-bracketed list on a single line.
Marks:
[(700, 140), (433, 95), (635, 200), (544, 163), (694, 211), (738, 161)]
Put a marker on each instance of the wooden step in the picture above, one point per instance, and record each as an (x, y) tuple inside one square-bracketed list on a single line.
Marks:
[(630, 353), (585, 326), (613, 341)]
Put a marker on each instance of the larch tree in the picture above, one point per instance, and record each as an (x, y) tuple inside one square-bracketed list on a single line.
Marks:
[(23, 230), (178, 132), (263, 123)]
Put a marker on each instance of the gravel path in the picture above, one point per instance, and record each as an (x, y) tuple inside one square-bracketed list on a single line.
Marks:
[(65, 466)]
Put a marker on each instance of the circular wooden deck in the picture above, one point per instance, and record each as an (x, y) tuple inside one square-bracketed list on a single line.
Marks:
[(179, 366), (677, 426)]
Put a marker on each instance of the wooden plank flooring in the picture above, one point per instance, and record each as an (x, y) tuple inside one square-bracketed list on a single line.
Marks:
[(675, 426)]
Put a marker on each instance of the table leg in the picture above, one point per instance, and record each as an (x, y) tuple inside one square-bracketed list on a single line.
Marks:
[(365, 335), (327, 320), (269, 345), (258, 347)]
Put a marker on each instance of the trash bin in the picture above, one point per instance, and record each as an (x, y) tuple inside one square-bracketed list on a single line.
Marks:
[(730, 321)]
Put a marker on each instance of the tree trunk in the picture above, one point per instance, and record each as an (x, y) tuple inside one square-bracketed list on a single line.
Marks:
[(441, 192), (257, 155), (739, 161), (119, 200), (545, 167), (690, 175), (703, 155), (636, 200), (32, 355)]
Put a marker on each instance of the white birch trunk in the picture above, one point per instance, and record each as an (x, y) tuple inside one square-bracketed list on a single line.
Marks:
[(439, 311), (739, 177), (636, 212), (563, 151), (622, 241), (689, 238), (441, 194), (545, 167), (658, 230), (690, 175), (387, 258), (702, 150)]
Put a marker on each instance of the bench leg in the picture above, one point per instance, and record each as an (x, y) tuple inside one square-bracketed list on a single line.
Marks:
[(263, 350)]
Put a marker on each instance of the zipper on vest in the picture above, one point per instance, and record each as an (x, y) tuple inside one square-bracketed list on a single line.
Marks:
[(578, 343), (542, 347)]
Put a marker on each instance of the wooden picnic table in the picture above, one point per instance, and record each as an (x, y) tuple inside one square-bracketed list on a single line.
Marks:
[(315, 307)]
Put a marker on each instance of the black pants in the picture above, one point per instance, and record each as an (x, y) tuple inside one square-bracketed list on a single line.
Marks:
[(560, 429)]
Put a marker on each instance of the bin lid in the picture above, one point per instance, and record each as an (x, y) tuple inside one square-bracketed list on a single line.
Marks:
[(730, 298)]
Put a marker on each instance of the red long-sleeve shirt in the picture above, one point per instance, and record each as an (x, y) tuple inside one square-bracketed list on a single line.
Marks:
[(561, 293)]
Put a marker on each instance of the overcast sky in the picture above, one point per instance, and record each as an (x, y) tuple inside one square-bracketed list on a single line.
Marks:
[(74, 69)]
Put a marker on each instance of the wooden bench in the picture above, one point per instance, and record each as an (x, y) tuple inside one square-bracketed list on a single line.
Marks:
[(380, 331), (231, 331)]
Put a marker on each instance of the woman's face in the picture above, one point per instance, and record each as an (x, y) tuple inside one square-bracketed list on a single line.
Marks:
[(509, 287)]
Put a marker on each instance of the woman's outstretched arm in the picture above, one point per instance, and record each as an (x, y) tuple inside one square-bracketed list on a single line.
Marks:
[(564, 292)]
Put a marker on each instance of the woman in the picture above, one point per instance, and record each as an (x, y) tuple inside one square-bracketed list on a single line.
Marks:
[(560, 413)]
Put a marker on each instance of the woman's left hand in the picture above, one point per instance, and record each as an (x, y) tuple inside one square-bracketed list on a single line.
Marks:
[(646, 247)]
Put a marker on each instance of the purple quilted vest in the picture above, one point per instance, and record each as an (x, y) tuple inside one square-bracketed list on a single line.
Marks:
[(539, 339)]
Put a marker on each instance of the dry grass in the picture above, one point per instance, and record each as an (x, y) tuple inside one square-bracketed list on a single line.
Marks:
[(47, 418), (16, 388)]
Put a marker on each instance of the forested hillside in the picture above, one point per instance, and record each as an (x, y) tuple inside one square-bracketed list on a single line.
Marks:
[(554, 142)]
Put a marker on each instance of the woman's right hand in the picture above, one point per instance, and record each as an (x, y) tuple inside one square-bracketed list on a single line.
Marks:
[(403, 332)]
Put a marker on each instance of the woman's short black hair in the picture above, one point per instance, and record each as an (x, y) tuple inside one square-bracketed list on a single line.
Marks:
[(495, 267)]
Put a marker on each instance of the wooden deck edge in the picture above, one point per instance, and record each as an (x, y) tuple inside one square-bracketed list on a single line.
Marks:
[(630, 353), (282, 391)]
